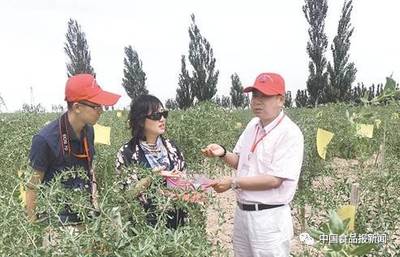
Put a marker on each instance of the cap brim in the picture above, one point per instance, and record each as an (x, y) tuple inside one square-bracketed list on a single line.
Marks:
[(105, 98), (248, 89), (265, 92)]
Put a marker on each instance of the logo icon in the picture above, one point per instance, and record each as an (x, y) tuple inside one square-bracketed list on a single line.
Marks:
[(306, 239)]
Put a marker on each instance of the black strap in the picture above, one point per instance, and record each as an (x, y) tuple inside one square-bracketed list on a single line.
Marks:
[(66, 148), (222, 155), (65, 139), (257, 207)]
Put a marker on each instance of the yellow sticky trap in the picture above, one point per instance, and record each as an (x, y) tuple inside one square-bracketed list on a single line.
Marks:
[(102, 134), (119, 114), (22, 192), (348, 212), (323, 139), (378, 123), (364, 130)]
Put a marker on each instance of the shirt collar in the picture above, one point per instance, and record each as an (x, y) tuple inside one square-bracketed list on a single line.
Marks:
[(271, 124)]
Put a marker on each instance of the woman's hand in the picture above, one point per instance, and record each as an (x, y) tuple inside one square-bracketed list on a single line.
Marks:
[(162, 170), (213, 150), (172, 173), (159, 169)]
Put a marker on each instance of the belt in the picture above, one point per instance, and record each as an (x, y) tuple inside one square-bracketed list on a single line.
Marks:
[(256, 206)]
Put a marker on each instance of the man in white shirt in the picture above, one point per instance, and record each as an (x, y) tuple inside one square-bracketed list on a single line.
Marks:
[(268, 158)]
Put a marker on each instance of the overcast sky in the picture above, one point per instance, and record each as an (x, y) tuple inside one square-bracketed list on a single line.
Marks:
[(248, 37)]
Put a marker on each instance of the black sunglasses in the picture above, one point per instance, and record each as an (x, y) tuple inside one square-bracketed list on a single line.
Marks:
[(157, 115), (95, 107)]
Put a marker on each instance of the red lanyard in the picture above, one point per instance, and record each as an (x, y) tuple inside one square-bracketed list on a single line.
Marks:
[(255, 143), (86, 150), (65, 141)]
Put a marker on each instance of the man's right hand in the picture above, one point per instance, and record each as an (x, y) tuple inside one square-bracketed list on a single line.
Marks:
[(213, 150), (31, 187)]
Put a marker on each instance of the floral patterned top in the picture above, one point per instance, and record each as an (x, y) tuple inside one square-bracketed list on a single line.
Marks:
[(131, 153)]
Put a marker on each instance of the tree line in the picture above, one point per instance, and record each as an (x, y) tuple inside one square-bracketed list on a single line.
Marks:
[(197, 80), (331, 82), (328, 81)]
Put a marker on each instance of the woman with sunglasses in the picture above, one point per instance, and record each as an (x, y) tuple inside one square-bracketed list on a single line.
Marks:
[(148, 148)]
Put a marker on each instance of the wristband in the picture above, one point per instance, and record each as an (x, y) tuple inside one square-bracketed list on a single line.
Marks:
[(223, 155)]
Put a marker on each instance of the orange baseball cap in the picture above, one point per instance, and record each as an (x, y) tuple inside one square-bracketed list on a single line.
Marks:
[(84, 87), (268, 84)]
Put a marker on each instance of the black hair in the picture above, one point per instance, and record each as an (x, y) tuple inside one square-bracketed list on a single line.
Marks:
[(142, 106)]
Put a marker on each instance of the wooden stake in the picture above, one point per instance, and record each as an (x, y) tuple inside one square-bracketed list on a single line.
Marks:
[(354, 195)]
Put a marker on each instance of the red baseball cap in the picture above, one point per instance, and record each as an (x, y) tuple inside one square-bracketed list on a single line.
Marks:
[(268, 84), (84, 87)]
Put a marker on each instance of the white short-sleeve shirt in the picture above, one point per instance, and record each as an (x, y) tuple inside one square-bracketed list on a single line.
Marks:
[(279, 153)]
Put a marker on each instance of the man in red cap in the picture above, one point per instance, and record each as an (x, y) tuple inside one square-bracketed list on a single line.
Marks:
[(68, 143), (268, 158)]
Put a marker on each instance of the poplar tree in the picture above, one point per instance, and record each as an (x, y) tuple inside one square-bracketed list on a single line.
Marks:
[(77, 50), (134, 80), (317, 82)]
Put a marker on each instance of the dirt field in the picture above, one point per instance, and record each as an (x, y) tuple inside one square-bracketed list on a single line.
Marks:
[(223, 233)]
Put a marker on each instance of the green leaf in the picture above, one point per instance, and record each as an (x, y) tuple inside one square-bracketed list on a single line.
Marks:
[(336, 247), (362, 249), (389, 91), (364, 99), (336, 223), (367, 115), (346, 224), (333, 254), (390, 85), (315, 233), (325, 228), (139, 187)]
